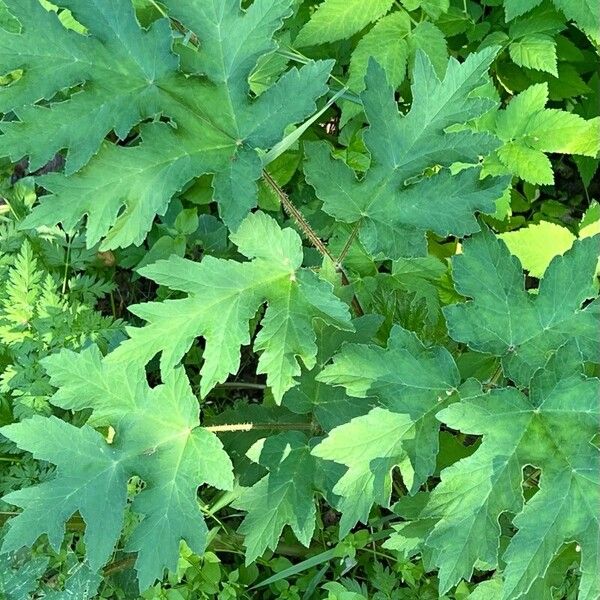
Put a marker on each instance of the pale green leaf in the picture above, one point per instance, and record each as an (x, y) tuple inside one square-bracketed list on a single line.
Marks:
[(339, 19), (585, 13), (370, 446), (223, 296), (529, 129), (536, 51), (516, 8), (386, 43), (428, 38), (537, 244)]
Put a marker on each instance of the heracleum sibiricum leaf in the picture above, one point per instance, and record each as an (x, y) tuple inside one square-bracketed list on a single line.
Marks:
[(552, 429), (76, 88), (157, 437), (524, 329), (285, 496), (409, 384), (223, 295), (396, 202)]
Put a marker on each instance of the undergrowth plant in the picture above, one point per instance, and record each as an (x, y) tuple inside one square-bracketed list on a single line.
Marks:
[(299, 299)]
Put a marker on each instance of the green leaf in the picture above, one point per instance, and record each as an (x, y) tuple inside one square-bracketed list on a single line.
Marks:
[(536, 51), (551, 429), (409, 383), (119, 75), (157, 437), (503, 319), (433, 8), (537, 244), (339, 19), (528, 129), (386, 43), (429, 39), (395, 202), (516, 8), (585, 14), (222, 297), (329, 406), (19, 576), (370, 446), (283, 497)]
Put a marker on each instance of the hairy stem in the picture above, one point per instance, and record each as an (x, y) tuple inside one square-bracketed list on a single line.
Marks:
[(231, 427), (310, 234)]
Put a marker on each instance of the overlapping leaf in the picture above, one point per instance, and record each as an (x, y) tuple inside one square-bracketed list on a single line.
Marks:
[(222, 298), (583, 12), (331, 406), (410, 383), (339, 19), (283, 497), (505, 320), (529, 130), (157, 437), (395, 203), (552, 429), (118, 75)]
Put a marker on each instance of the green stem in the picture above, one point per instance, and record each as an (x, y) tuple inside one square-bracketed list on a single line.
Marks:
[(248, 426), (242, 385)]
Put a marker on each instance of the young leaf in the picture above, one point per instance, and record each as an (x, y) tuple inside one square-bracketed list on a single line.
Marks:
[(390, 207), (503, 319), (528, 130), (157, 437), (537, 244), (119, 75), (410, 383), (224, 295), (339, 19), (551, 429), (583, 12)]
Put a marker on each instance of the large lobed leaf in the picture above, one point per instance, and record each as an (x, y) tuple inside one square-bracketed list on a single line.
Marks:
[(409, 383), (76, 88), (222, 297), (551, 428), (524, 329), (404, 193), (157, 437)]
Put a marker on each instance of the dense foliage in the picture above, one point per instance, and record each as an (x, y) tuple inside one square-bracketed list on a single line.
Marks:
[(299, 299)]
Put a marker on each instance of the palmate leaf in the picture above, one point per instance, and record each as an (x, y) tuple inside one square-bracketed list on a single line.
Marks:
[(393, 204), (157, 437), (505, 320), (331, 406), (410, 384), (223, 296), (118, 75), (283, 497), (552, 429)]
